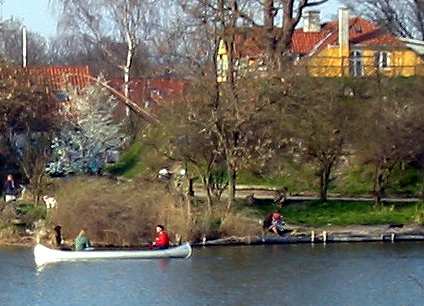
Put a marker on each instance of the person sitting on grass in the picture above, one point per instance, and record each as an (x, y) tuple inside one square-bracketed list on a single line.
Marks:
[(82, 242), (162, 238), (274, 223)]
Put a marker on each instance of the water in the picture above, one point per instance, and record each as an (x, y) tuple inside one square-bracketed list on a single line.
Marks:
[(336, 274)]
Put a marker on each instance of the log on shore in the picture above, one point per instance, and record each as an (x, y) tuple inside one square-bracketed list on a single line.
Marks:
[(306, 238)]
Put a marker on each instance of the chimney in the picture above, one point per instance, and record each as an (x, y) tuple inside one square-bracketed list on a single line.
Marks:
[(344, 31), (311, 21)]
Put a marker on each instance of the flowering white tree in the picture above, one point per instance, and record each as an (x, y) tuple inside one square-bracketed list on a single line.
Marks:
[(88, 134)]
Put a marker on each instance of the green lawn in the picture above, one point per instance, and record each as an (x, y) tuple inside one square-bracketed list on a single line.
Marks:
[(317, 213), (130, 164)]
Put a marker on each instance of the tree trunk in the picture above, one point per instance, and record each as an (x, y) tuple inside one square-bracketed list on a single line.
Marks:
[(325, 174), (378, 186), (189, 201), (324, 178), (127, 77), (232, 181), (269, 15), (130, 55), (207, 188)]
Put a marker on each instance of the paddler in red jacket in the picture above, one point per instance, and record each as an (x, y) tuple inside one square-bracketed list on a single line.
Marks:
[(162, 238)]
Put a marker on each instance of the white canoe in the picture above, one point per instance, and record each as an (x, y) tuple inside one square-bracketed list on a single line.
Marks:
[(43, 255)]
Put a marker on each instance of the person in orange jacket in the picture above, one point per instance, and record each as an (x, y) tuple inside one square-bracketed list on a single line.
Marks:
[(162, 238)]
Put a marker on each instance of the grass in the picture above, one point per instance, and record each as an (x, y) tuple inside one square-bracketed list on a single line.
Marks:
[(406, 181), (315, 213), (350, 180), (130, 164), (295, 178), (354, 180)]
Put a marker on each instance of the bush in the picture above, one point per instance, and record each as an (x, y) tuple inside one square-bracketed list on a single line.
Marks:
[(30, 213), (128, 163), (240, 225), (117, 213)]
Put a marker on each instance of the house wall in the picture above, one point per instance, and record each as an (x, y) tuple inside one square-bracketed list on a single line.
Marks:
[(329, 63)]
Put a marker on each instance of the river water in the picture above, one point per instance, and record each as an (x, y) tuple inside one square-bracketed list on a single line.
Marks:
[(336, 274)]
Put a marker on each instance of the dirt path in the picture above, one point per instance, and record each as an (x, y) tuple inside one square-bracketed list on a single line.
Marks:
[(269, 193)]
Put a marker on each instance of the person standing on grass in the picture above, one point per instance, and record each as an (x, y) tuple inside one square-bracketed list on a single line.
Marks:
[(9, 189), (162, 238)]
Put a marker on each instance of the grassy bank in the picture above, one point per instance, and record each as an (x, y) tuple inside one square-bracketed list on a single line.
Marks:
[(129, 164), (350, 178), (317, 213)]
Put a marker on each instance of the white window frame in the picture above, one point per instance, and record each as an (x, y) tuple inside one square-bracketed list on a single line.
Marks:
[(355, 58), (381, 63)]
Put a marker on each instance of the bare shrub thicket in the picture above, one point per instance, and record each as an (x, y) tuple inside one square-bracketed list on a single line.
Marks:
[(125, 214), (117, 213)]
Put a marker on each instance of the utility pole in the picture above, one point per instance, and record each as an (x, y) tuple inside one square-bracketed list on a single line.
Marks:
[(24, 47), (1, 10), (2, 43)]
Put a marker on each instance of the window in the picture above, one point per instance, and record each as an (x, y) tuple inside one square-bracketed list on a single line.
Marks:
[(382, 59), (356, 67)]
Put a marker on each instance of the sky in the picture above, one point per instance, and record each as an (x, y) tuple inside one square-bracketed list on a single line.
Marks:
[(39, 17)]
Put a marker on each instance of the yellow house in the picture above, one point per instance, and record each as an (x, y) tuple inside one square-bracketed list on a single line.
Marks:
[(346, 47)]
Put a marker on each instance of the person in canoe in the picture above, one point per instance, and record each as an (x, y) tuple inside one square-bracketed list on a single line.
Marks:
[(162, 239), (81, 241), (56, 239)]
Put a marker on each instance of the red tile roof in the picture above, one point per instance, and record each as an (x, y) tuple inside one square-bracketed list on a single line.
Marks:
[(152, 90), (304, 42), (58, 77), (361, 32), (377, 38)]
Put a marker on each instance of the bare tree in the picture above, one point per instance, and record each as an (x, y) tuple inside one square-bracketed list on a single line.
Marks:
[(403, 18), (318, 120), (73, 50), (390, 129), (185, 139), (100, 22), (280, 20), (11, 44)]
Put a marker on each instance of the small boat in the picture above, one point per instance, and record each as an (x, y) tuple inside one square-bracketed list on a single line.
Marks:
[(44, 255)]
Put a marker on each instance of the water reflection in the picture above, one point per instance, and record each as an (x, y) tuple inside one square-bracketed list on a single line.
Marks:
[(163, 264), (344, 274)]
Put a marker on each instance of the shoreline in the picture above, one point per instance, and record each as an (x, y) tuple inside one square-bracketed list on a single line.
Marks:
[(274, 240), (329, 234), (298, 235)]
